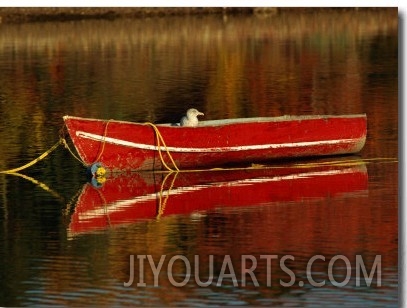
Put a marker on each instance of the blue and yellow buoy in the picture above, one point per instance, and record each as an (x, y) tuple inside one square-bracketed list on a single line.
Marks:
[(97, 170)]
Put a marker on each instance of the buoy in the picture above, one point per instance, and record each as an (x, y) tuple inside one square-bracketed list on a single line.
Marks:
[(97, 170)]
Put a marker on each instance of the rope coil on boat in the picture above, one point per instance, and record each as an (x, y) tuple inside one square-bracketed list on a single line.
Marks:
[(160, 140)]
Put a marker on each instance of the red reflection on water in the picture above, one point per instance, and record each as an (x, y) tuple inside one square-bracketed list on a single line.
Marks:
[(139, 196)]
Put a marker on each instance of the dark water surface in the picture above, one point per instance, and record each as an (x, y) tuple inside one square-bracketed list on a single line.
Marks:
[(64, 242)]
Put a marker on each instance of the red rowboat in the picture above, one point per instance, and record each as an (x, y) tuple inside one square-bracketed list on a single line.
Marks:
[(120, 145), (132, 197)]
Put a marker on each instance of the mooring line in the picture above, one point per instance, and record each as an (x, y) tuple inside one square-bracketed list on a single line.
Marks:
[(34, 161)]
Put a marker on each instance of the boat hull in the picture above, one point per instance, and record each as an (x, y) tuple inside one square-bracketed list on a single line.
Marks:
[(120, 145)]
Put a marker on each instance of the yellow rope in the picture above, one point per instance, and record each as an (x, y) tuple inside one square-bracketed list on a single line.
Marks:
[(307, 165), (70, 151), (344, 162), (65, 143), (103, 142), (41, 157), (160, 140)]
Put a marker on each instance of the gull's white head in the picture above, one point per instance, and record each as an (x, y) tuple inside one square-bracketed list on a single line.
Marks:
[(191, 118), (193, 113)]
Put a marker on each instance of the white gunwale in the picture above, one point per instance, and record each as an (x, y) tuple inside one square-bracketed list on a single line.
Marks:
[(224, 122)]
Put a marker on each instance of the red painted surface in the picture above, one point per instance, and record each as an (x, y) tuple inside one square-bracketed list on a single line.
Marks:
[(133, 197), (289, 137)]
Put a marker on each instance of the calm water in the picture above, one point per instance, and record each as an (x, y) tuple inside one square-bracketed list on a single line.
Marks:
[(64, 242)]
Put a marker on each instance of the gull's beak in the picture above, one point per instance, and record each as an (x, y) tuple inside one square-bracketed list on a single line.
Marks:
[(200, 113)]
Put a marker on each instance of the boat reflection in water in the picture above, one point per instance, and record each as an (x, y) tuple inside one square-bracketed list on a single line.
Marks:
[(128, 198)]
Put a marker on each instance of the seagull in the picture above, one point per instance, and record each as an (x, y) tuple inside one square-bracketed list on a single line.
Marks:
[(190, 119)]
